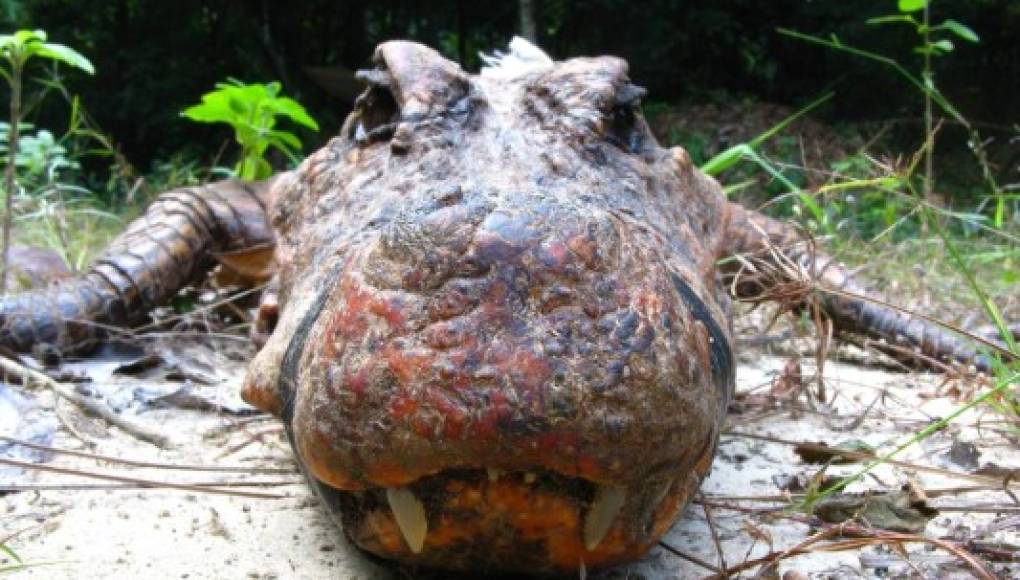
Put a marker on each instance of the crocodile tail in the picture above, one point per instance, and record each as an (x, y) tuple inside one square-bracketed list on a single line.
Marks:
[(853, 308), (169, 246)]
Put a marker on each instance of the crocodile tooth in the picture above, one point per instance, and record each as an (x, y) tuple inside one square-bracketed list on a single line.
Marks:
[(530, 477), (410, 515), (604, 509), (494, 474)]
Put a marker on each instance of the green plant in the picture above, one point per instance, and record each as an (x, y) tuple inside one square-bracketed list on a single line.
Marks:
[(1005, 369), (252, 110), (818, 216), (85, 137), (934, 42), (929, 47), (41, 157), (17, 564), (746, 151), (68, 220), (17, 50)]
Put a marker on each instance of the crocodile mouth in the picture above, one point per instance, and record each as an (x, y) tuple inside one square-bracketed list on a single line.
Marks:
[(476, 441), (475, 519)]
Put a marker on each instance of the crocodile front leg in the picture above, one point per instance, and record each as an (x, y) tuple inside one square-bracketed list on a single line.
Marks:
[(169, 246), (853, 308)]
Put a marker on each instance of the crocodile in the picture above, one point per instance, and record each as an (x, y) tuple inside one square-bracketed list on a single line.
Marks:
[(497, 330)]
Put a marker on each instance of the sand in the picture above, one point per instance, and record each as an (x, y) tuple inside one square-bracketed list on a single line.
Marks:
[(165, 533)]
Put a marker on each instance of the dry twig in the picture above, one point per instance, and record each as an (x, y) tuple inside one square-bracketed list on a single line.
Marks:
[(999, 483), (29, 376), (136, 463), (137, 480)]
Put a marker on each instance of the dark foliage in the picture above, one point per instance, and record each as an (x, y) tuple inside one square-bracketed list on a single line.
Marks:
[(155, 57)]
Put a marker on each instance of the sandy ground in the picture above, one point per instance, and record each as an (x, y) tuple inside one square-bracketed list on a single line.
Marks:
[(150, 533)]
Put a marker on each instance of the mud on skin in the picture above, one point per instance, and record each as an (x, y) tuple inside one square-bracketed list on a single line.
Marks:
[(497, 333)]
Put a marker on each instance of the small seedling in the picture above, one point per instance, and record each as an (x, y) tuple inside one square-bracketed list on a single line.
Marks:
[(935, 40), (933, 43), (252, 111), (17, 50)]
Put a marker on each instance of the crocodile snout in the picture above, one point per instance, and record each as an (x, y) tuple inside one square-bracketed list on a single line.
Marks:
[(477, 365)]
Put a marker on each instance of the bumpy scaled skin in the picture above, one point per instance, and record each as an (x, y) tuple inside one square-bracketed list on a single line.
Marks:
[(499, 342)]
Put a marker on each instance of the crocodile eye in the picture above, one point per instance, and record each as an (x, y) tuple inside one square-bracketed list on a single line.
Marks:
[(622, 127), (376, 112)]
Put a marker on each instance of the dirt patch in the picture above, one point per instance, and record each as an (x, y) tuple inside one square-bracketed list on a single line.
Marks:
[(75, 532)]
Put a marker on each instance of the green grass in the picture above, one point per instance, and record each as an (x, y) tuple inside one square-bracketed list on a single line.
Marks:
[(17, 563), (78, 230)]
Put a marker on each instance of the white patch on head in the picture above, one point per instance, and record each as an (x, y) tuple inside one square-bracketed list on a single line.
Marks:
[(522, 59)]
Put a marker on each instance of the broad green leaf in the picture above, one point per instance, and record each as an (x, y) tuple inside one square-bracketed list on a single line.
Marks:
[(943, 45), (246, 136), (252, 111), (294, 110), (239, 104), (961, 30), (25, 36), (65, 55), (911, 5), (288, 139), (209, 111)]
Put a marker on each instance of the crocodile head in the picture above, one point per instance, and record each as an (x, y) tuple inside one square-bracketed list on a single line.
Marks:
[(498, 346)]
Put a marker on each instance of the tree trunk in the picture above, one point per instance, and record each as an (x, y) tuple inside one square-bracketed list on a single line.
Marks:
[(9, 181), (461, 34), (526, 12)]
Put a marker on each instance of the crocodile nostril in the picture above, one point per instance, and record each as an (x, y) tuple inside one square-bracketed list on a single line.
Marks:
[(376, 110)]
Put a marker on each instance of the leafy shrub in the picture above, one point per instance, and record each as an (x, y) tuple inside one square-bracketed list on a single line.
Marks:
[(252, 109), (41, 157)]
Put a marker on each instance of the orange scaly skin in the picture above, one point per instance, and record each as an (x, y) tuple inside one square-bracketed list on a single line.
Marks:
[(496, 300)]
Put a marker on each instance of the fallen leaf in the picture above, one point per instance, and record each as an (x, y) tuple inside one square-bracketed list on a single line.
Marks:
[(823, 453), (904, 510), (247, 267)]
